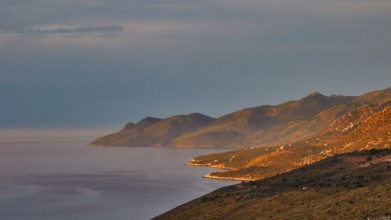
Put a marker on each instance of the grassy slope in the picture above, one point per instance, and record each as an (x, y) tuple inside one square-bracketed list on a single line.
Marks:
[(346, 186)]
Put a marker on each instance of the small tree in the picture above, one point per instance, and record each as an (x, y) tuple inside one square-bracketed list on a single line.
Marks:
[(373, 151)]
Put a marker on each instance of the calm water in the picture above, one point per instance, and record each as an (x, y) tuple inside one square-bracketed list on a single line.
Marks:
[(61, 178)]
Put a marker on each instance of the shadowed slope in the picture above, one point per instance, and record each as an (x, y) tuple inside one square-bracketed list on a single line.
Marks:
[(154, 131), (130, 134), (244, 127)]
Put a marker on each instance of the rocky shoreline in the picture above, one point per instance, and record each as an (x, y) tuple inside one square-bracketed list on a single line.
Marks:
[(211, 176)]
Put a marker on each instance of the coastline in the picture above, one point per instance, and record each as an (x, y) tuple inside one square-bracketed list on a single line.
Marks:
[(211, 176), (191, 163)]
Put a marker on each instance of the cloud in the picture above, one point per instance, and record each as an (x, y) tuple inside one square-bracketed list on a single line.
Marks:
[(67, 30)]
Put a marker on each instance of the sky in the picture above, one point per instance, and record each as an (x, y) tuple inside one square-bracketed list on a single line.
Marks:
[(102, 63)]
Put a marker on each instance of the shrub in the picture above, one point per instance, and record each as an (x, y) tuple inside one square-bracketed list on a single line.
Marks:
[(373, 151)]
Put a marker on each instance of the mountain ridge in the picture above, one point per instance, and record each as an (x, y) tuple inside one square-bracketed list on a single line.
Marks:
[(265, 125), (154, 131)]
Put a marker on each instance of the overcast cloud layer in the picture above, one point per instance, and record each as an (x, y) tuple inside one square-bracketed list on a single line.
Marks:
[(101, 63)]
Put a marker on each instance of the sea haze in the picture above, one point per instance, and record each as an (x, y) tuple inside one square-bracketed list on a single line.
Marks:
[(62, 178)]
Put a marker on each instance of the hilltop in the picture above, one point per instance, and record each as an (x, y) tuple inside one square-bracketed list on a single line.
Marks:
[(260, 126)]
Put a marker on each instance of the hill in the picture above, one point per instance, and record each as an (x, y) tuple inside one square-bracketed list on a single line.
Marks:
[(154, 131), (366, 127), (353, 185), (286, 123), (343, 172), (260, 126)]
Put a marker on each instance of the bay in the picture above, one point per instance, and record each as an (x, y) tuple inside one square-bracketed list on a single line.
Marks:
[(60, 177)]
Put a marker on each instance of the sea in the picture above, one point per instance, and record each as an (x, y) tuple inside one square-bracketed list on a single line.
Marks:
[(56, 176)]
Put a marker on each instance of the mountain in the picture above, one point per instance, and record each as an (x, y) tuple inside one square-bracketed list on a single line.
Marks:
[(286, 123), (343, 172), (379, 96), (366, 127), (250, 126), (354, 185), (260, 126), (154, 131)]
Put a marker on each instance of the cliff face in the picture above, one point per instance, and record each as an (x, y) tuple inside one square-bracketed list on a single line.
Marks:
[(263, 126)]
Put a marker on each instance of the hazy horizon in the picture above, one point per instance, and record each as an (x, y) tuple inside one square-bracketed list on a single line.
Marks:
[(54, 132), (100, 63), (93, 131)]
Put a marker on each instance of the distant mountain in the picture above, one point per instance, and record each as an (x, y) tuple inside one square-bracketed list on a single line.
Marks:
[(353, 185), (154, 131), (265, 125)]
